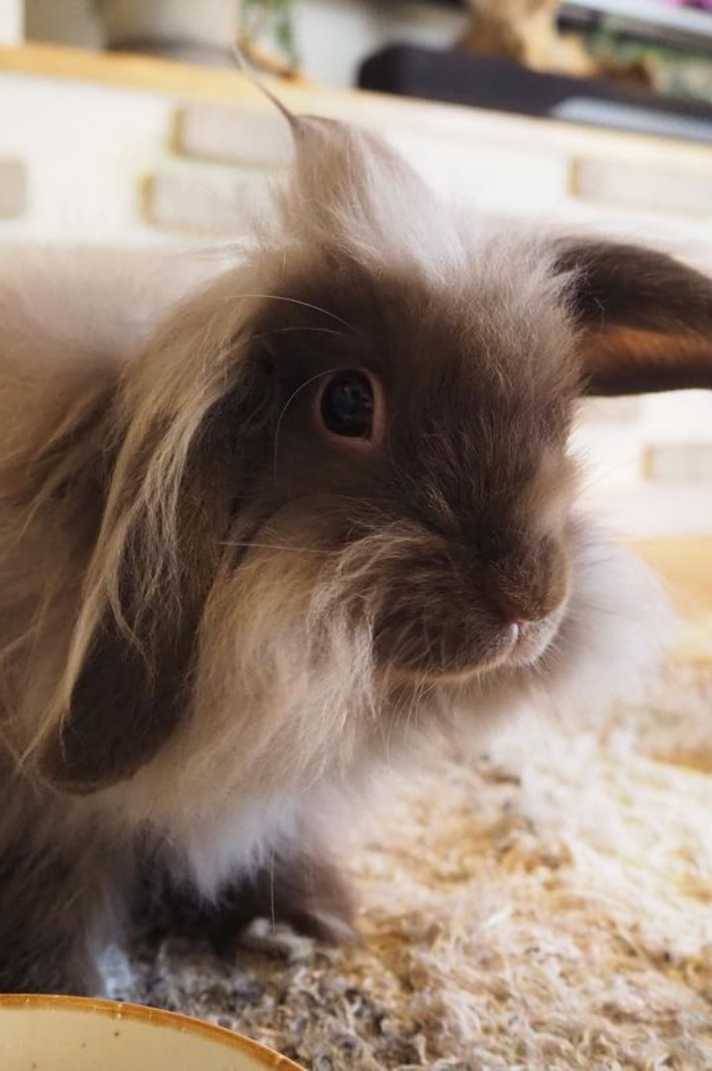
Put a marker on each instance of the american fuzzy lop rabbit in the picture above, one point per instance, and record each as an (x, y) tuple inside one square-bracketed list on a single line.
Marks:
[(253, 546)]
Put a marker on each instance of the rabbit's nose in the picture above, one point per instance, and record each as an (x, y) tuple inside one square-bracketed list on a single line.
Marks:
[(519, 625), (525, 611)]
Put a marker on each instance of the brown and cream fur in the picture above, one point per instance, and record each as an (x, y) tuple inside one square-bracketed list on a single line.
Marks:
[(216, 622)]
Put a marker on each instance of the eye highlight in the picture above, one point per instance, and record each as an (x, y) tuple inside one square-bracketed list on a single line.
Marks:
[(349, 405)]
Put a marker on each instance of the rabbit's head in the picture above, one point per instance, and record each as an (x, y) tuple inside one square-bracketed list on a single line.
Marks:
[(340, 483)]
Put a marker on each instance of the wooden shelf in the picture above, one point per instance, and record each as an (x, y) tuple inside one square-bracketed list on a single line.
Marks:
[(127, 71)]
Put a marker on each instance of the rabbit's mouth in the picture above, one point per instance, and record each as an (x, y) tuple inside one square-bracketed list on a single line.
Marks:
[(532, 639), (461, 651)]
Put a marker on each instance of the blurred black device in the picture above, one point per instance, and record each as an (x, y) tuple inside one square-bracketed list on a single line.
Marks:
[(459, 77)]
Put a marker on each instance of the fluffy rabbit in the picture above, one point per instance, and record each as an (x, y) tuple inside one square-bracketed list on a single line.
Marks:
[(324, 505)]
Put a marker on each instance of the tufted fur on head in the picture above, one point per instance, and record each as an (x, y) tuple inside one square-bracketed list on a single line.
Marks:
[(261, 525)]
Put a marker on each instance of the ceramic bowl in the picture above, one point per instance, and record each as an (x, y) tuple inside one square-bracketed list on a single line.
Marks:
[(39, 1033)]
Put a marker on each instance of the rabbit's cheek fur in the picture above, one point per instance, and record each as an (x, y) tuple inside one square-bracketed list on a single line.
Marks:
[(451, 607), (448, 625)]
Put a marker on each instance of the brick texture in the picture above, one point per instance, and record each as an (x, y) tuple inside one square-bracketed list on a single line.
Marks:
[(210, 201), (643, 188), (678, 462), (13, 188), (611, 410), (259, 138)]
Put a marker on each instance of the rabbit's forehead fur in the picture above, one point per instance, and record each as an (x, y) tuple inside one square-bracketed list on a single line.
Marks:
[(469, 333), (479, 379), (364, 268)]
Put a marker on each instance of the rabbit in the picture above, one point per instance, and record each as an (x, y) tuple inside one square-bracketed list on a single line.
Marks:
[(267, 524)]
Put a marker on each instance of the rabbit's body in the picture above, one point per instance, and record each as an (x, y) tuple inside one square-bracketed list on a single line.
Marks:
[(262, 524)]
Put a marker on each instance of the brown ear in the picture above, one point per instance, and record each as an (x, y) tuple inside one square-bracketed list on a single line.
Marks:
[(117, 721), (134, 678), (646, 318), (130, 694)]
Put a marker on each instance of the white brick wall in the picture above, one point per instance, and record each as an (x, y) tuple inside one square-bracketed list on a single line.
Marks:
[(688, 462)]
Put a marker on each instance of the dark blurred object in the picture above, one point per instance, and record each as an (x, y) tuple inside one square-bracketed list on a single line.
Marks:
[(502, 85)]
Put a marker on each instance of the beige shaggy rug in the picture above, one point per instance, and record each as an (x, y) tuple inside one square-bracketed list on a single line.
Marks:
[(543, 908)]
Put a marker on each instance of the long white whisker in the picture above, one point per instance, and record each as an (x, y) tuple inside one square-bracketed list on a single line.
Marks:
[(303, 304), (306, 327), (272, 908), (285, 407), (276, 546)]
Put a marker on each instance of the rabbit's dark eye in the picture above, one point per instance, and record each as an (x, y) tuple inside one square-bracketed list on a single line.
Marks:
[(347, 405)]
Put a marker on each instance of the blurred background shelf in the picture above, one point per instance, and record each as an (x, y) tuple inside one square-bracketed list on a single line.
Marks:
[(483, 81), (131, 116)]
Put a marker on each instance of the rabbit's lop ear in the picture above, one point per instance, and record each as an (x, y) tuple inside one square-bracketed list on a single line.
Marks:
[(127, 681), (128, 684), (130, 693), (646, 318)]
